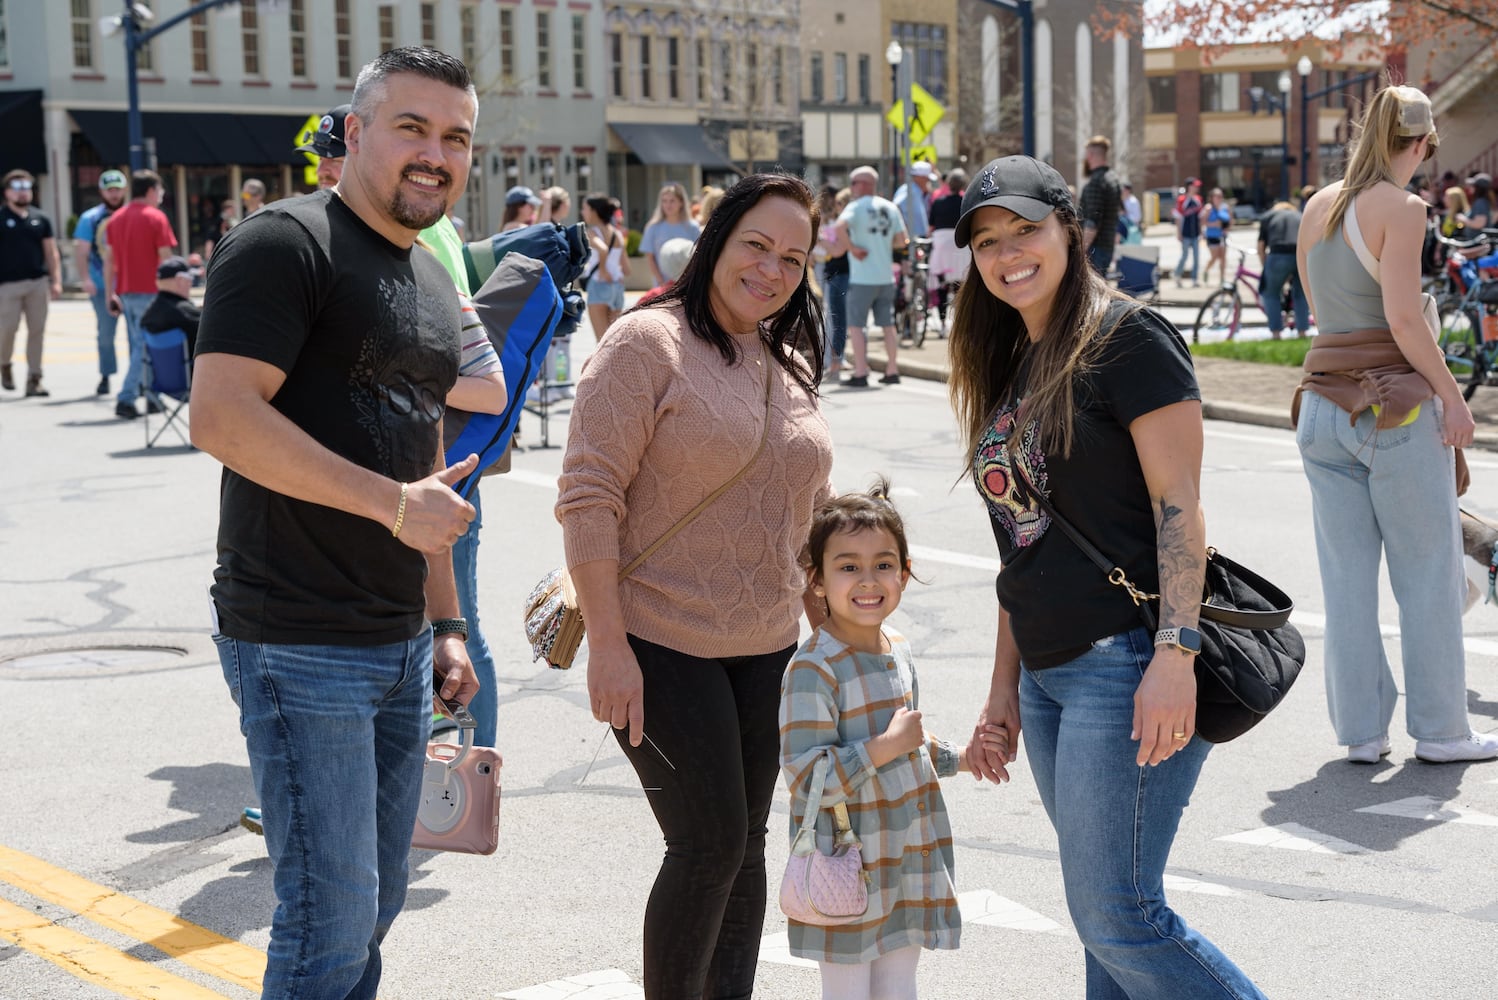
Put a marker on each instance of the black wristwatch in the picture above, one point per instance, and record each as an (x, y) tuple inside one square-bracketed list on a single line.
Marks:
[(1187, 640), (450, 626)]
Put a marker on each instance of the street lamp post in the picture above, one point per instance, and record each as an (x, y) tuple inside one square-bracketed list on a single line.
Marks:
[(893, 54), (1304, 68), (133, 19), (1025, 9), (1284, 87)]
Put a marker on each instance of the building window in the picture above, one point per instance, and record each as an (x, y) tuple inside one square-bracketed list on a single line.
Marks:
[(840, 77), (296, 26), (429, 25), (584, 168), (725, 70), (580, 52), (1161, 96), (817, 94), (865, 80), (83, 34), (1220, 92), (548, 171), (202, 46), (343, 36), (616, 64), (704, 84), (468, 35), (4, 40), (249, 38), (925, 48), (543, 49), (673, 68), (507, 46), (644, 88), (778, 79), (145, 58), (385, 16)]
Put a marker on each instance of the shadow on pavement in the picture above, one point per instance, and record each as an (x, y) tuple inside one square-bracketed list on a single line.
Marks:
[(160, 449), (214, 794)]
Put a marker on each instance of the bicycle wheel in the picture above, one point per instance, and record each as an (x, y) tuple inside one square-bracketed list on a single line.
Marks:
[(920, 307), (1221, 313), (1461, 342)]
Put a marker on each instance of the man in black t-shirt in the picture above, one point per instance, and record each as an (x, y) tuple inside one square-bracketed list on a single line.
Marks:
[(1279, 229), (29, 270), (171, 309), (327, 346), (1099, 205)]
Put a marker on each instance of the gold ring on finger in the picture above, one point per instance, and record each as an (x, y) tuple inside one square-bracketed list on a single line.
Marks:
[(1179, 736)]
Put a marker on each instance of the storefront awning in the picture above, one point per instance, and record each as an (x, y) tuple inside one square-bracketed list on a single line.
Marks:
[(671, 145), (21, 125), (197, 139)]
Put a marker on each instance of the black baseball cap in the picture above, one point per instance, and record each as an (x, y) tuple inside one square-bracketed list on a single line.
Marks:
[(1024, 185), (173, 266), (327, 141)]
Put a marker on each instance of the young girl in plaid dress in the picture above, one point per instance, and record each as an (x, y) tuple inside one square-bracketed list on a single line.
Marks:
[(850, 696)]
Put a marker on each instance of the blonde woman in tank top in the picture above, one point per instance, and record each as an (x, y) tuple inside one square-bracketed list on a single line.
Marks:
[(1379, 415)]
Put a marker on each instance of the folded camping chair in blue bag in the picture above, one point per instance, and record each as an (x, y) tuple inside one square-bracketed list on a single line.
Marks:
[(166, 380), (521, 310)]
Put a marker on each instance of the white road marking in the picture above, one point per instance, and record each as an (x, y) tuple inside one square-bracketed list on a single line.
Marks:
[(776, 948), (984, 906), (1176, 883), (925, 553), (1432, 810), (530, 478), (610, 984), (1294, 837), (1209, 431)]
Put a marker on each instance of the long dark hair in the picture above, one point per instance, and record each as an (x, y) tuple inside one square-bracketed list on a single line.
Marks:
[(798, 324), (989, 343)]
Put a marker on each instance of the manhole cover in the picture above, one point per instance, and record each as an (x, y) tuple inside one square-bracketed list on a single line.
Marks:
[(96, 658), (92, 661)]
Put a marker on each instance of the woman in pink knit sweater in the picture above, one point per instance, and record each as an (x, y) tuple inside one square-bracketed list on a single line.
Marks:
[(685, 656)]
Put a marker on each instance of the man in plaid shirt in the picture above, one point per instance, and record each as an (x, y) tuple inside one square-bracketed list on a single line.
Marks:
[(1101, 202)]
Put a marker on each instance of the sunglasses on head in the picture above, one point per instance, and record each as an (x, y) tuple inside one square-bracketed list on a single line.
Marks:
[(20, 185)]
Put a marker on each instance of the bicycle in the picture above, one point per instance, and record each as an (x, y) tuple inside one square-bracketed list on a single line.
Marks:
[(1223, 309), (1469, 322), (912, 304)]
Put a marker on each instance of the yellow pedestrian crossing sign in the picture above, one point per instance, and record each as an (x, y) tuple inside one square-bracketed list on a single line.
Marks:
[(305, 135), (927, 153), (925, 112)]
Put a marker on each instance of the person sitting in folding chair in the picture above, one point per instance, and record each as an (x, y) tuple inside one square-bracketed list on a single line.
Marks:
[(168, 352)]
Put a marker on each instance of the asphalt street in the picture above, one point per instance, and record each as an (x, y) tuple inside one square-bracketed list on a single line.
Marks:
[(123, 871)]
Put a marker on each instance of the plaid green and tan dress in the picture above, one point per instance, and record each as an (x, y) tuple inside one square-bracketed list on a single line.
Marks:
[(832, 701)]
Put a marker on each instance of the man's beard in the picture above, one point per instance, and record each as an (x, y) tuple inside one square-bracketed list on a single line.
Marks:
[(417, 217)]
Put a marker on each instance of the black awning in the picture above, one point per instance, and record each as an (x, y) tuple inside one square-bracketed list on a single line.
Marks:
[(671, 145), (197, 139), (21, 124)]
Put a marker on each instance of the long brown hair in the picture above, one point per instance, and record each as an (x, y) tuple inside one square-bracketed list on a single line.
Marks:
[(989, 343), (797, 324)]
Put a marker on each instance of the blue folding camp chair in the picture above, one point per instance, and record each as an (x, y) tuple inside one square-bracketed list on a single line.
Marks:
[(166, 382), (1139, 271)]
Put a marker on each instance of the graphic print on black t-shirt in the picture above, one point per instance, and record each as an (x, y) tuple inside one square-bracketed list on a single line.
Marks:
[(390, 404), (1002, 492)]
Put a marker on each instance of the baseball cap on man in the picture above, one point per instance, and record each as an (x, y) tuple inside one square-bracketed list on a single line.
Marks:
[(920, 168), (520, 195), (112, 179), (173, 266), (1024, 185), (327, 141)]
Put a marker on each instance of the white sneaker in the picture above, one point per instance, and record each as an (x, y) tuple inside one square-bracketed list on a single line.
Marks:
[(1470, 747), (1370, 752)]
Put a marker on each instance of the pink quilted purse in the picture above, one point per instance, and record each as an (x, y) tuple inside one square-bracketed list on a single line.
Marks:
[(824, 889)]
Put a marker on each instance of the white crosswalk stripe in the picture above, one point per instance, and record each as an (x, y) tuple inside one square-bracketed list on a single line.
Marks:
[(609, 984), (1294, 837), (984, 906), (1431, 810), (1177, 883)]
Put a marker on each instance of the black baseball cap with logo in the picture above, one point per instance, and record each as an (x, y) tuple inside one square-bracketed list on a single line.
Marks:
[(1024, 185), (327, 141)]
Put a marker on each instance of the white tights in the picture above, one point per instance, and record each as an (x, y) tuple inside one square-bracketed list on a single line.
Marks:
[(888, 977)]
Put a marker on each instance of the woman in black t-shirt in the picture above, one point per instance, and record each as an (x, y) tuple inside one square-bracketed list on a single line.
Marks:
[(1066, 387)]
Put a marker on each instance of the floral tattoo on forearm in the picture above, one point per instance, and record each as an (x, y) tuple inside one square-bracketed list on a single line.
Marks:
[(1182, 562)]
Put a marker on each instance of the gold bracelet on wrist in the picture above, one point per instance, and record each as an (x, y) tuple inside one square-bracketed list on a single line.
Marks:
[(400, 514)]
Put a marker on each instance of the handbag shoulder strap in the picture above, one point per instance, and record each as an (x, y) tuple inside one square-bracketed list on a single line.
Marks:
[(840, 821), (691, 515)]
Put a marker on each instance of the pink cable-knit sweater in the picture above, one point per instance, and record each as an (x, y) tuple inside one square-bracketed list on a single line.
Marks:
[(660, 421)]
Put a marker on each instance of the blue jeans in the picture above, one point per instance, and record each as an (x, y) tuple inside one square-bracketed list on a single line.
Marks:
[(485, 704), (337, 741), (135, 304), (1190, 246), (1115, 822), (108, 326), (1279, 268), (1393, 493), (835, 288), (1100, 258)]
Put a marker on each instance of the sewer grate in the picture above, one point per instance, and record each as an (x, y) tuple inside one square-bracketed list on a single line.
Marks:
[(91, 661)]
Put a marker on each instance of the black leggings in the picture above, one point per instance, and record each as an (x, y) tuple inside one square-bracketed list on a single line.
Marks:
[(710, 778)]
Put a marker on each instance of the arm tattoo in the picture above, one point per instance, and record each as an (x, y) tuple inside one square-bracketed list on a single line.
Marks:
[(1182, 558)]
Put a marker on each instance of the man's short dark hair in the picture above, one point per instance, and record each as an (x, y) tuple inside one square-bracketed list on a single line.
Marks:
[(416, 59), (142, 181)]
